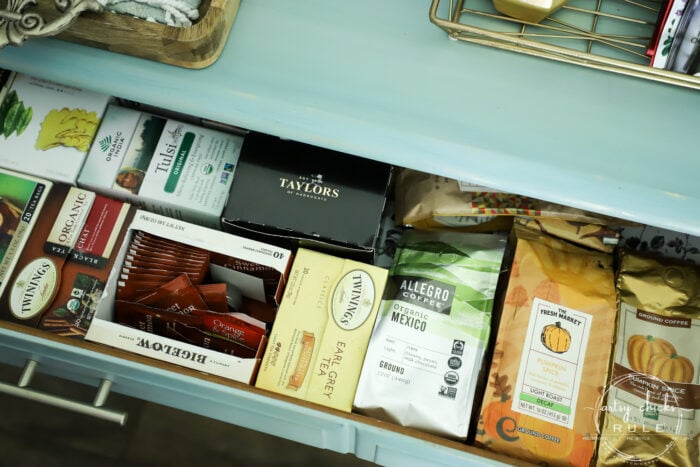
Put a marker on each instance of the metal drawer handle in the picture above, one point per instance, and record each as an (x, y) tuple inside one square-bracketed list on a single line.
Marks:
[(95, 410)]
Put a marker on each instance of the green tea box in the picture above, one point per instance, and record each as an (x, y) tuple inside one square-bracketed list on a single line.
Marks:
[(320, 335), (162, 165), (22, 198), (47, 128)]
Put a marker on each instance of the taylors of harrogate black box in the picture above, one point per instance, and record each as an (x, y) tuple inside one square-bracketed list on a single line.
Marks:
[(297, 195)]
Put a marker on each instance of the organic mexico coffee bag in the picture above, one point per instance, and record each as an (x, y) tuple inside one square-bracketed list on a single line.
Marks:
[(427, 346), (652, 411), (552, 353)]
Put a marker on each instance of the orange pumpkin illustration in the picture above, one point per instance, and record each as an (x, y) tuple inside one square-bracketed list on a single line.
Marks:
[(556, 338), (640, 350), (671, 367)]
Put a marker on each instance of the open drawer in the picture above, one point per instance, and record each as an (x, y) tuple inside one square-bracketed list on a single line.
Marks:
[(232, 402)]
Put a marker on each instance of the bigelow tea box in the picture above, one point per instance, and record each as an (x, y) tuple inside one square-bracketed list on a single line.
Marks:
[(307, 196), (255, 255), (162, 165), (320, 336), (47, 128), (60, 275)]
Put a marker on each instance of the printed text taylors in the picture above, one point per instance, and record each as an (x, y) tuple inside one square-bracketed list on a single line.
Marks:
[(309, 187)]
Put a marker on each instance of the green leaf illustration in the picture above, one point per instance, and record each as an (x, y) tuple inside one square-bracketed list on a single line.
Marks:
[(13, 118), (9, 100), (24, 122)]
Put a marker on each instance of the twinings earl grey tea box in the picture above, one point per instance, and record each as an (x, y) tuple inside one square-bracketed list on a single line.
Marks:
[(307, 196), (320, 335), (47, 128), (162, 165)]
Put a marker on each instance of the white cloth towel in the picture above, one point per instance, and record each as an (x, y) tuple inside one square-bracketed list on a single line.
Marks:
[(179, 13)]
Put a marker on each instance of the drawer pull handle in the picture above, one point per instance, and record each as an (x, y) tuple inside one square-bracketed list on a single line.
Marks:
[(95, 409)]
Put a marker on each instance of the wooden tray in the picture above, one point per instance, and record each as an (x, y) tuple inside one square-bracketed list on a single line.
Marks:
[(197, 46)]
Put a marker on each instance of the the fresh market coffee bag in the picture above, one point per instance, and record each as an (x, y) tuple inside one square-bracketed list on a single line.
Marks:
[(552, 353), (427, 346), (652, 411)]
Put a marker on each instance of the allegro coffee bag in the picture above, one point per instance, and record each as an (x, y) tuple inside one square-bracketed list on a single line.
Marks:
[(428, 343)]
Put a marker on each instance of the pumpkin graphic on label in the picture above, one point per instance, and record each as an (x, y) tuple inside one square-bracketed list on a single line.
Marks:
[(556, 338), (671, 367), (640, 350)]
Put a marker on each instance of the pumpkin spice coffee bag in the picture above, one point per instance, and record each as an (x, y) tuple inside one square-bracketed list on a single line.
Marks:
[(652, 409), (552, 353)]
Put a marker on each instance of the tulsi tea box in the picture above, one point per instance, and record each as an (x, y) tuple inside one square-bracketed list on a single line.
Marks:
[(297, 195), (320, 336), (162, 165), (47, 128), (256, 255), (61, 273)]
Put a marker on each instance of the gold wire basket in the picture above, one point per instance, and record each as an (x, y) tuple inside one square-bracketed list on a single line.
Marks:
[(611, 35)]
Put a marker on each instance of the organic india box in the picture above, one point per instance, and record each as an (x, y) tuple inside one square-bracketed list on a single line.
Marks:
[(552, 353), (319, 338), (47, 127), (162, 165)]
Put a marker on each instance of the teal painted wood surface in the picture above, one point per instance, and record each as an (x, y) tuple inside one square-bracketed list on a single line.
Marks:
[(377, 79), (229, 404)]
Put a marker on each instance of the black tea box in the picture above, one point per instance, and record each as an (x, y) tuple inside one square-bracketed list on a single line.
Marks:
[(293, 194)]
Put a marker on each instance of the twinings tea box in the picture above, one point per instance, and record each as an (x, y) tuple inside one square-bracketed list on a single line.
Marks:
[(552, 354), (21, 199), (323, 325), (652, 409), (255, 269), (59, 278), (307, 196), (162, 165), (47, 128)]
